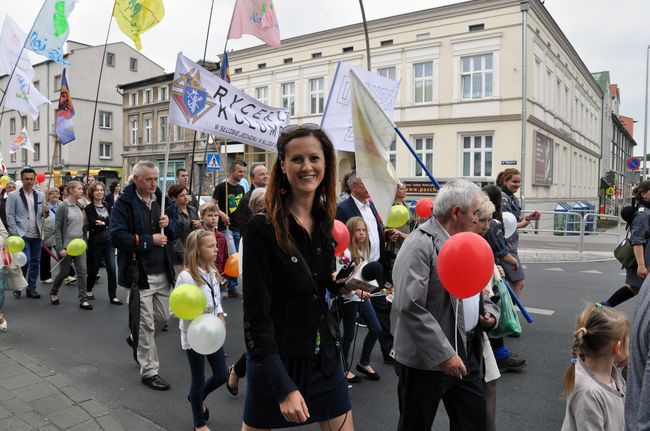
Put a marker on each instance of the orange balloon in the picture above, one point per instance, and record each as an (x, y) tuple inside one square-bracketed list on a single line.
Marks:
[(231, 268)]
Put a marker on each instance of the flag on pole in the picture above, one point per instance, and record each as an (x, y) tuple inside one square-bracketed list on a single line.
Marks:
[(12, 39), (3, 167), (257, 18), (373, 133), (22, 142), (224, 72), (65, 112), (136, 17), (23, 96), (51, 30)]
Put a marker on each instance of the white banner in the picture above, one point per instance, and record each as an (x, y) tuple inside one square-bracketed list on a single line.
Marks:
[(337, 119), (202, 101), (51, 29), (12, 39)]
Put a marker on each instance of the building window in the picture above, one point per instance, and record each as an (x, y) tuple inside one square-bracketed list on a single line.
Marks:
[(163, 128), (105, 120), (423, 82), (23, 122), (162, 94), (261, 66), (12, 157), (170, 176), (37, 151), (262, 94), (134, 130), (110, 59), (133, 64), (348, 49), (288, 97), (477, 76), (24, 157), (134, 99), (392, 154), (387, 72), (57, 82), (477, 156), (148, 96), (105, 150), (288, 60), (316, 95), (238, 70), (477, 27), (179, 132), (424, 150), (12, 126), (37, 85), (37, 123), (147, 130), (316, 55), (388, 42)]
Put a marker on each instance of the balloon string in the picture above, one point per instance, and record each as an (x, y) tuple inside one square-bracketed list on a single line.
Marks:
[(456, 331)]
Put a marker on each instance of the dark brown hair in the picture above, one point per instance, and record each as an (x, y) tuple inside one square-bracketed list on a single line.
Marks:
[(506, 175), (176, 190), (324, 205), (640, 189), (91, 190)]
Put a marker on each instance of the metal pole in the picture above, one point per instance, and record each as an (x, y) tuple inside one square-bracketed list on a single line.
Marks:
[(47, 119), (417, 158), (365, 31), (645, 122), (525, 6)]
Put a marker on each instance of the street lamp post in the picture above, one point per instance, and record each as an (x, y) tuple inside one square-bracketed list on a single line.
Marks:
[(645, 122)]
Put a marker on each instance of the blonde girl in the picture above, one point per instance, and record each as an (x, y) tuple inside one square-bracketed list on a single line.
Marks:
[(593, 385), (200, 254)]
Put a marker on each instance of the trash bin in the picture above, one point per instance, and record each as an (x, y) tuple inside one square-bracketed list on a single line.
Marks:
[(562, 222)]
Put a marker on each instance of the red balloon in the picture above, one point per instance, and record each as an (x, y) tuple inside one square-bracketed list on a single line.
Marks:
[(465, 264), (40, 177), (341, 235), (424, 208)]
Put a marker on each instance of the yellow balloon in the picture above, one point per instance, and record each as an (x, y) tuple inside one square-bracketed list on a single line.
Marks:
[(76, 247), (187, 301), (14, 244), (398, 216), (4, 180)]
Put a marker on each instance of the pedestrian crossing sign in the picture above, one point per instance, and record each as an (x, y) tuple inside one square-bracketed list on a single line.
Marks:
[(214, 162)]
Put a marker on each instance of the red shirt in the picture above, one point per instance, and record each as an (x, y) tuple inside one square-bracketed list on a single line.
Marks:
[(222, 255)]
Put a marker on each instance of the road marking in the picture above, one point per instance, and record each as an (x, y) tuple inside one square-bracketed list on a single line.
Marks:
[(540, 311), (591, 271), (554, 269)]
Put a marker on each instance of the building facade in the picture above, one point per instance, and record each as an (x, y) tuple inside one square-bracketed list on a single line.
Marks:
[(121, 64)]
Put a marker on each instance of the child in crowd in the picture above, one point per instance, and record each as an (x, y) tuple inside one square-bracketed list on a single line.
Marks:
[(199, 269), (210, 219), (593, 385)]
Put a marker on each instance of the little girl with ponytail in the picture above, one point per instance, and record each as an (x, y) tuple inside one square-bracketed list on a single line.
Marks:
[(593, 385)]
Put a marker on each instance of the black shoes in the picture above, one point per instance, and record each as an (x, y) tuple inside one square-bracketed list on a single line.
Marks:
[(32, 293), (85, 305), (355, 379), (510, 364), (371, 376), (155, 383), (234, 390)]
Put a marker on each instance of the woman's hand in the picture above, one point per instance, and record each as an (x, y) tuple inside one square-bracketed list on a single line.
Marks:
[(641, 271), (293, 408), (63, 253), (223, 319), (363, 294), (502, 273)]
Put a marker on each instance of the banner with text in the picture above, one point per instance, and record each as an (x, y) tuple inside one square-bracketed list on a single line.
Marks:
[(337, 119), (204, 102)]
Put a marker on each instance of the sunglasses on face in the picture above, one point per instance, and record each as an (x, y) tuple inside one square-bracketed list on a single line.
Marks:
[(293, 127)]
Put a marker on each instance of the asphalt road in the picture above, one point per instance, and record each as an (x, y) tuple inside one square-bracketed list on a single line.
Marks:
[(89, 348)]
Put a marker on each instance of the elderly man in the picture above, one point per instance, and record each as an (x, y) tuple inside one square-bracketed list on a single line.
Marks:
[(259, 179), (429, 363), (145, 261)]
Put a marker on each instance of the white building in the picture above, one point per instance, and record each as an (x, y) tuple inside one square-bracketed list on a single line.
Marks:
[(121, 64)]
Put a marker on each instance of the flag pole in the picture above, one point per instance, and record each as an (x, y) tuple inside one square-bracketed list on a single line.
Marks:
[(205, 50), (417, 158), (365, 31), (99, 82), (47, 189), (164, 176)]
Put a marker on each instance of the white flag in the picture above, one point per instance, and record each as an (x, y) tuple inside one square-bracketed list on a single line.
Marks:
[(23, 96), (12, 40), (51, 29), (22, 142), (373, 133), (202, 101)]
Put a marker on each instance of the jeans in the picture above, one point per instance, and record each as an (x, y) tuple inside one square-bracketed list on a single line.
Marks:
[(235, 236), (200, 388), (349, 310), (97, 252), (33, 252), (64, 270)]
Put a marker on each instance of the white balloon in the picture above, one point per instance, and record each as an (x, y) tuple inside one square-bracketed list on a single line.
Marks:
[(509, 224), (206, 334), (19, 259), (19, 185)]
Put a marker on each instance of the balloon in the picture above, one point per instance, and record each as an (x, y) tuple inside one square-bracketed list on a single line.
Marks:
[(19, 259), (341, 235), (509, 224), (398, 216), (40, 177), (206, 334), (187, 301), (19, 185), (14, 244), (76, 247), (465, 264), (4, 180), (424, 208), (231, 269)]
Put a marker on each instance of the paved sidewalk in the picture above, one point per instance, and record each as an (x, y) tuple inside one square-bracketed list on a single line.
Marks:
[(33, 397), (532, 255)]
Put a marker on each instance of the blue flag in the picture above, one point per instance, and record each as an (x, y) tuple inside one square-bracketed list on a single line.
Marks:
[(224, 73), (51, 30), (64, 114)]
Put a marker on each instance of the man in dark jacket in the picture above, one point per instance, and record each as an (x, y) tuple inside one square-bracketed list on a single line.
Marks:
[(143, 236)]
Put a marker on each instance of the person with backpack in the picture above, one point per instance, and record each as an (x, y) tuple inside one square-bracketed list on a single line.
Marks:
[(639, 234)]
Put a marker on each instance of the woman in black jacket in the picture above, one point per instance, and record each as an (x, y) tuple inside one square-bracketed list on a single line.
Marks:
[(294, 370), (99, 247)]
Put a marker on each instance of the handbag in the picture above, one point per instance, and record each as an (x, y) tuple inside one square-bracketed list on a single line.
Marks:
[(14, 279), (624, 252), (509, 321)]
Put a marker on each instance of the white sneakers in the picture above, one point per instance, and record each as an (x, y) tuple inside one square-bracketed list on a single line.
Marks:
[(3, 325)]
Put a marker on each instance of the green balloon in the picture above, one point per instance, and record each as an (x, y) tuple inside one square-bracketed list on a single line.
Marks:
[(14, 244), (398, 216), (76, 247), (187, 301)]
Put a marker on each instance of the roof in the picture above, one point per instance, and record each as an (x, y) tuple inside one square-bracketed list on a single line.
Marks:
[(602, 78), (614, 91), (166, 77), (618, 123)]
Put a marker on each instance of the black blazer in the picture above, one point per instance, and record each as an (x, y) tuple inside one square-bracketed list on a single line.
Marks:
[(348, 209), (282, 314)]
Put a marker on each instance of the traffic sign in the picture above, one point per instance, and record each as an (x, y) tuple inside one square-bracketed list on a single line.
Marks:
[(214, 162), (633, 163)]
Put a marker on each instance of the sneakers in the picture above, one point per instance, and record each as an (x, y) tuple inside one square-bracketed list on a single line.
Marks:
[(510, 364), (235, 294), (48, 281), (69, 279), (3, 325)]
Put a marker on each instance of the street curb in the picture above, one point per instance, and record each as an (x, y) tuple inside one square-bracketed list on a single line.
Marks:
[(563, 256)]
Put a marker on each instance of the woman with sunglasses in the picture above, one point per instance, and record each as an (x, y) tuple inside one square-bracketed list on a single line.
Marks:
[(294, 370)]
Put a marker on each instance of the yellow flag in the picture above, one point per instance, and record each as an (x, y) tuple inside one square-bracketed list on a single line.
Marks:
[(134, 17)]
